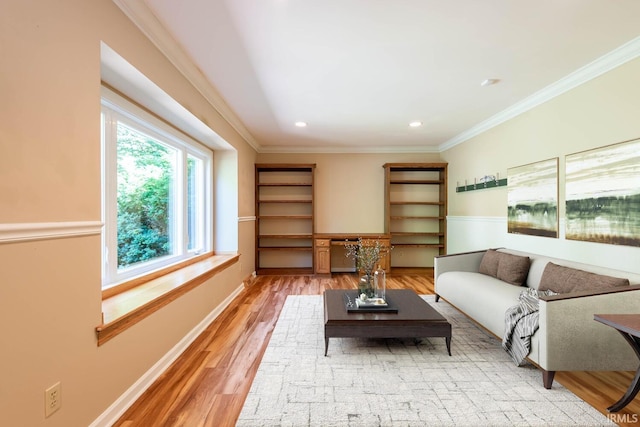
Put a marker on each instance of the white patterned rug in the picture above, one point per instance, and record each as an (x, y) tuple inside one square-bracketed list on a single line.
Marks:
[(374, 382)]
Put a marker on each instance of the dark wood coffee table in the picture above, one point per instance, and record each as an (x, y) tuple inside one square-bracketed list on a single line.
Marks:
[(414, 319)]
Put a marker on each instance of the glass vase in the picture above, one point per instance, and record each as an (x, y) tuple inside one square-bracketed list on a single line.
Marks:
[(365, 286), (380, 283)]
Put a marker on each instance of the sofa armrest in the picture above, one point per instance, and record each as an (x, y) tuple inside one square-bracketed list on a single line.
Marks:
[(464, 261), (581, 294), (570, 340)]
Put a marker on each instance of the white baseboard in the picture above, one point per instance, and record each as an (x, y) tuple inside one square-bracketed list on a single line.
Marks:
[(117, 408)]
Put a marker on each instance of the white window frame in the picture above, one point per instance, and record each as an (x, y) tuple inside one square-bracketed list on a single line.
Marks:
[(114, 109)]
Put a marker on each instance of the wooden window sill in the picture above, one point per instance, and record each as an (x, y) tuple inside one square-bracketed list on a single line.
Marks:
[(125, 309)]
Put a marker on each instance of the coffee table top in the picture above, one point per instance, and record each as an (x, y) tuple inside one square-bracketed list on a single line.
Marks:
[(410, 307)]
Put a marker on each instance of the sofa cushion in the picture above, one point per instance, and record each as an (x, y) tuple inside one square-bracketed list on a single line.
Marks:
[(489, 263), (513, 268), (563, 280), (481, 297)]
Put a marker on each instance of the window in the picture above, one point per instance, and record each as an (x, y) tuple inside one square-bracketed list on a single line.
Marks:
[(156, 192)]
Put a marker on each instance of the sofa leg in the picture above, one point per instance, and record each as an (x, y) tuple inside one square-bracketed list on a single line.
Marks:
[(547, 378), (437, 297)]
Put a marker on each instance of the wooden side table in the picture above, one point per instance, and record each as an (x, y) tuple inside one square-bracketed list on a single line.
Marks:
[(629, 326)]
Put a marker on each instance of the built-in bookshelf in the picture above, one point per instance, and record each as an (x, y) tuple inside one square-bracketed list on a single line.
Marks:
[(285, 222), (415, 212)]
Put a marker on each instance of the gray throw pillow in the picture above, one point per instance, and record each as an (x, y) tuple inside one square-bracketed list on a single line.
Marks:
[(489, 263), (563, 280), (513, 268)]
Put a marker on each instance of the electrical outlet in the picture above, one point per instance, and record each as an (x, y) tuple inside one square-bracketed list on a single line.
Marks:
[(52, 399)]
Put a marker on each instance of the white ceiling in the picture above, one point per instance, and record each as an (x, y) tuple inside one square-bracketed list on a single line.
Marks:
[(358, 71)]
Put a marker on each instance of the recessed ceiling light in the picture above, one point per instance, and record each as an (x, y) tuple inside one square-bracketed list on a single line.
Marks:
[(415, 124), (301, 124), (489, 82)]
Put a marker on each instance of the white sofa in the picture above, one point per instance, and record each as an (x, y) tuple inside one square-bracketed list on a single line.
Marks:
[(568, 339)]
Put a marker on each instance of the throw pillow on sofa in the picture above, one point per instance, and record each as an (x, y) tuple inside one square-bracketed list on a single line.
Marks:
[(513, 269), (489, 263), (561, 279)]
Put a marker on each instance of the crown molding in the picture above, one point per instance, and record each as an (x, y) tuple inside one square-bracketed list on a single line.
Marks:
[(607, 62), (25, 232), (348, 150), (142, 16)]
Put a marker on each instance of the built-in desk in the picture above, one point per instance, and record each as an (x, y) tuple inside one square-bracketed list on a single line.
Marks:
[(322, 243)]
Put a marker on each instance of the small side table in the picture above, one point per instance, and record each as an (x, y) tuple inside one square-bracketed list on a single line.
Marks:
[(629, 326)]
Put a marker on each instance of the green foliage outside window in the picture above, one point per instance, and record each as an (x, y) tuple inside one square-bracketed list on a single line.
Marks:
[(145, 173)]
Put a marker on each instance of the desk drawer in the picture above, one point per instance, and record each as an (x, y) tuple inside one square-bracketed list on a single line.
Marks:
[(323, 243)]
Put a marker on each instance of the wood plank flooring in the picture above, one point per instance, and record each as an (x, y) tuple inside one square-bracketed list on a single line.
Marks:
[(209, 382)]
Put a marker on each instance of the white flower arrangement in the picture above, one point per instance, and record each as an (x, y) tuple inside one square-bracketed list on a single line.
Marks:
[(366, 253)]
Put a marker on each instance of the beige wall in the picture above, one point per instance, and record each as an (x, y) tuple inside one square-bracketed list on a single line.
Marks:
[(601, 112), (50, 172)]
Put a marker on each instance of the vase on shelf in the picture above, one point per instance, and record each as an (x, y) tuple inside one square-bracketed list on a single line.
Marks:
[(366, 286)]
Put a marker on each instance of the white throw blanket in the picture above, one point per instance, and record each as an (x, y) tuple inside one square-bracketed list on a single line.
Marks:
[(521, 322)]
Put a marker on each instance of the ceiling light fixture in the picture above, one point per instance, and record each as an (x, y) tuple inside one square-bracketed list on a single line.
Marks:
[(489, 82), (415, 124), (301, 124)]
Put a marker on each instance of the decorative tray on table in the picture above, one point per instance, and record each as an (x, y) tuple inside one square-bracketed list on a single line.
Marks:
[(371, 302), (354, 304)]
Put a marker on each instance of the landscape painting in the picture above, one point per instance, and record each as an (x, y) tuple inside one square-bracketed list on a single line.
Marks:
[(603, 194), (532, 199)]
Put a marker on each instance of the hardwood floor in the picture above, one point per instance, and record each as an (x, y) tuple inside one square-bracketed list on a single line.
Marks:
[(208, 384)]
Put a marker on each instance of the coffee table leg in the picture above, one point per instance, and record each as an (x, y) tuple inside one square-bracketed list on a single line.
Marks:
[(326, 345), (634, 387)]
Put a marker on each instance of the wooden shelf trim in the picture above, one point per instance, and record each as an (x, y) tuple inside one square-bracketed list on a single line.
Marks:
[(122, 311), (284, 184), (412, 167), (286, 201), (285, 248), (285, 236), (351, 237), (284, 216), (285, 167), (417, 203)]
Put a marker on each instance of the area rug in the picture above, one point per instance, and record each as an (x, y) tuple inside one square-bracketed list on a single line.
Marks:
[(377, 382)]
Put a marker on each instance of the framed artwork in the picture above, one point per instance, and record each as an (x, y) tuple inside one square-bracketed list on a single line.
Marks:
[(532, 199), (603, 194)]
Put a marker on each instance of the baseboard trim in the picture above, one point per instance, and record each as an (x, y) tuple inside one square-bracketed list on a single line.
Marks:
[(26, 232), (117, 408)]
